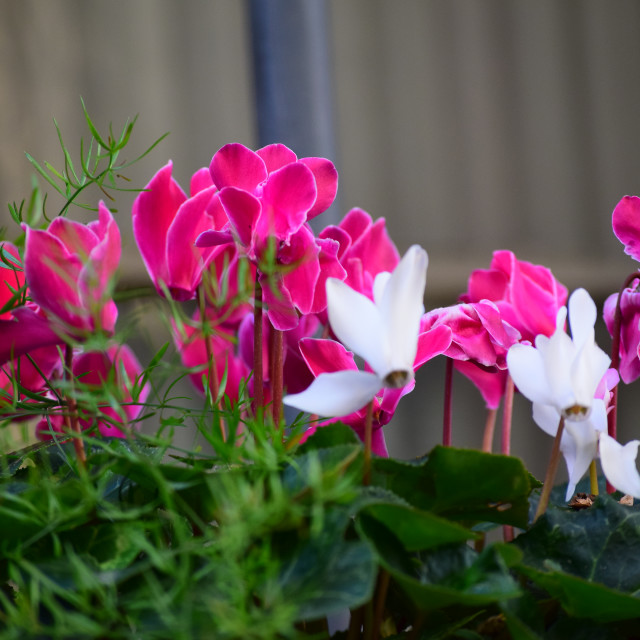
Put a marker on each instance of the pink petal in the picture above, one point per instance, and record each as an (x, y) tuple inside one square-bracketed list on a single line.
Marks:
[(10, 279), (276, 156), (325, 356), (153, 212), (237, 166), (326, 178), (26, 332), (301, 253), (243, 210), (330, 267), (432, 343), (491, 384), (626, 225), (200, 180), (286, 199), (185, 261)]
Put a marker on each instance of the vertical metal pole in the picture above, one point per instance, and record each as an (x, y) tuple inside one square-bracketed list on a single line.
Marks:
[(292, 68)]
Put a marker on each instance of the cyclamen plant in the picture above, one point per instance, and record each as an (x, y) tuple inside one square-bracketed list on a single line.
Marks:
[(276, 529)]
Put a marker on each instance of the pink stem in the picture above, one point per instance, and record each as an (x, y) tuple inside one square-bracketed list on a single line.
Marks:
[(258, 375), (506, 417), (277, 361), (368, 437), (71, 415), (489, 429), (448, 403), (551, 472)]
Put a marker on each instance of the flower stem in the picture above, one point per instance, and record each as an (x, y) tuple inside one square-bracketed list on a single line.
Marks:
[(212, 374), (551, 472), (277, 361), (507, 414), (448, 403), (489, 429), (381, 596), (258, 376), (368, 431), (71, 416), (593, 478)]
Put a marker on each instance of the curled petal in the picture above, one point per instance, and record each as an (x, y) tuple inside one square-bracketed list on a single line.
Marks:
[(326, 178), (626, 225), (336, 394), (619, 464)]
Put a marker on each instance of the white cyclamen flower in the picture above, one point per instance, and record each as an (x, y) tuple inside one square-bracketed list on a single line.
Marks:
[(560, 371), (579, 440), (383, 332), (619, 464)]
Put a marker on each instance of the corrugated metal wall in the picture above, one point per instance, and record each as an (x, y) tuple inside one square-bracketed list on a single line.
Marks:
[(470, 126)]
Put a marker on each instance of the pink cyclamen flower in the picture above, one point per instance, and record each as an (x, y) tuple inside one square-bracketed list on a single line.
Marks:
[(116, 369), (269, 193), (70, 269), (625, 221), (365, 249), (629, 329), (527, 295), (479, 344), (166, 224), (268, 196)]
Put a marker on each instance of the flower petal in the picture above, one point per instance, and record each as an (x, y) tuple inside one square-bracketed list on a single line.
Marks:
[(356, 322), (336, 394), (401, 309), (626, 225), (619, 464), (235, 165)]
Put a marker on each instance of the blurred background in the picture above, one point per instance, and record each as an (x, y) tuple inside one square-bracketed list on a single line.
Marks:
[(469, 126)]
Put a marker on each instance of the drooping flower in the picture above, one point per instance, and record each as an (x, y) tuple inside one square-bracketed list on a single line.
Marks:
[(384, 332), (166, 224), (625, 221), (527, 295), (619, 464), (116, 369), (629, 329), (70, 269), (479, 344)]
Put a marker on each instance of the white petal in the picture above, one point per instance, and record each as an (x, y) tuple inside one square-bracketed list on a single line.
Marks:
[(336, 394), (582, 316), (588, 368), (528, 372), (558, 353), (580, 449), (547, 417), (379, 285), (619, 464), (401, 308), (357, 323)]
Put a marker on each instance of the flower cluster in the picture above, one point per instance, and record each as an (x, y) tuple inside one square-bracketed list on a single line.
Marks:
[(284, 313)]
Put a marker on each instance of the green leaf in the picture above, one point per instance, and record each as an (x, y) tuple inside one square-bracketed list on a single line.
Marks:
[(417, 530), (600, 544), (461, 484), (326, 576), (589, 559)]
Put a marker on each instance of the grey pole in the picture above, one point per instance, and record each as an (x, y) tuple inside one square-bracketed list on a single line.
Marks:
[(293, 84)]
